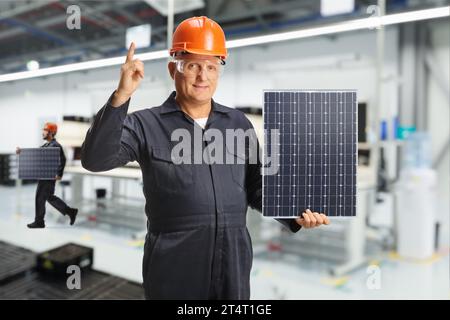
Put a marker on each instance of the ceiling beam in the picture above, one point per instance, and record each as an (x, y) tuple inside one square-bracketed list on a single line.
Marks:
[(51, 21), (21, 9)]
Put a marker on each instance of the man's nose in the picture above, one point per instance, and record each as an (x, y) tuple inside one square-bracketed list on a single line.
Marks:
[(202, 74)]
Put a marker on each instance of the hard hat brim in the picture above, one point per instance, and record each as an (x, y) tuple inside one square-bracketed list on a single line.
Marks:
[(221, 55)]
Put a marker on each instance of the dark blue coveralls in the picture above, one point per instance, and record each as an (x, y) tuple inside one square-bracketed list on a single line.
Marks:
[(197, 245)]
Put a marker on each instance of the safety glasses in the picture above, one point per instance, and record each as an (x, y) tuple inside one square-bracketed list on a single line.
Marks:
[(192, 68)]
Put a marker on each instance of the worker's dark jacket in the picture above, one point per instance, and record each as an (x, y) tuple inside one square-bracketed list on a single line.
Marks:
[(62, 158), (197, 246)]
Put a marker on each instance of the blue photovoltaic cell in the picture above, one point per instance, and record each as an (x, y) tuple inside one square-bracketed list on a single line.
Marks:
[(39, 163), (317, 161)]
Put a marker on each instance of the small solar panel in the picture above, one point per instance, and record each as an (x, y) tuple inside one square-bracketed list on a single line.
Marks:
[(39, 163), (313, 136)]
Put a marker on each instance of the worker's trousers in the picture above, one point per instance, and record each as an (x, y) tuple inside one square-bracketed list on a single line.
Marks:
[(45, 192)]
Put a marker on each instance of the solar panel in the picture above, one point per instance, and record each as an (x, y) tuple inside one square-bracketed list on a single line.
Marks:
[(39, 163), (312, 135)]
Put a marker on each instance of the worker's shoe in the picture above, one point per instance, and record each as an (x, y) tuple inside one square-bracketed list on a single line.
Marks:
[(36, 225), (72, 215)]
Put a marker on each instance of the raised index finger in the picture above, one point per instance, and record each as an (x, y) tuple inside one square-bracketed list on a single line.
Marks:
[(130, 53)]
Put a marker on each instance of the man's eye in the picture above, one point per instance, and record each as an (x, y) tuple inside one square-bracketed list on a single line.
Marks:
[(192, 66), (212, 68)]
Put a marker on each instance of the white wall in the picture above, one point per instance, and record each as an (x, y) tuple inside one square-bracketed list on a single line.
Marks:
[(439, 111)]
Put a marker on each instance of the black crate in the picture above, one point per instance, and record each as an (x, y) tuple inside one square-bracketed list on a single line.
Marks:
[(14, 262), (94, 285), (55, 261), (8, 169), (19, 278), (109, 288)]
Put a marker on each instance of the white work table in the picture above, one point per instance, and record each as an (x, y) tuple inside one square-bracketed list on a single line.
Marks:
[(117, 174), (366, 178), (123, 172)]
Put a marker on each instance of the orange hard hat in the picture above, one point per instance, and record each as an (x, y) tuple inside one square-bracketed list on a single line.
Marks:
[(199, 35), (51, 127)]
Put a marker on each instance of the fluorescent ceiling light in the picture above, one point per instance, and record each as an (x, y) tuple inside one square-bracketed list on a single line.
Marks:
[(352, 25), (307, 33), (88, 65), (32, 65), (333, 7), (417, 15), (140, 35)]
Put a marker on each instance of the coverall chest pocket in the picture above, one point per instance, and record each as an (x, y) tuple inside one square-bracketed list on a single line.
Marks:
[(169, 176), (237, 166)]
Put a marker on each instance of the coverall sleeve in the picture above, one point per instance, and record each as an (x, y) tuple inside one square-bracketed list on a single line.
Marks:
[(62, 162), (113, 140), (254, 191)]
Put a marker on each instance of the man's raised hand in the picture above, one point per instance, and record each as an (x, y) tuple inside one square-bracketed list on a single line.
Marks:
[(131, 75)]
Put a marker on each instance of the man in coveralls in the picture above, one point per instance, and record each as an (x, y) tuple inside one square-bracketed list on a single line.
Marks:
[(197, 245), (46, 188)]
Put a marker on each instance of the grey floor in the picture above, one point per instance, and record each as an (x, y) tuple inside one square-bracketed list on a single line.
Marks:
[(273, 276)]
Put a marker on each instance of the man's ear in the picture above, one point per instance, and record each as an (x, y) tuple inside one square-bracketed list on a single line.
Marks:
[(172, 67)]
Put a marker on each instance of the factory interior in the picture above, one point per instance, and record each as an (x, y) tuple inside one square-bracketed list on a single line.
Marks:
[(60, 62)]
